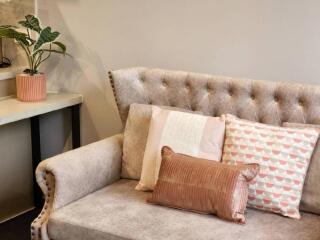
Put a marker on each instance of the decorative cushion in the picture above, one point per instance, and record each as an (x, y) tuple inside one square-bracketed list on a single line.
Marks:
[(187, 133), (310, 200), (283, 155), (203, 186), (135, 138)]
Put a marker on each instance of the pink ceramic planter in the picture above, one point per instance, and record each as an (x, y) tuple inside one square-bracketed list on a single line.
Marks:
[(31, 88)]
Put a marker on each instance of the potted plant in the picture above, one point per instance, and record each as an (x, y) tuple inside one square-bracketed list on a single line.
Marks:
[(38, 43)]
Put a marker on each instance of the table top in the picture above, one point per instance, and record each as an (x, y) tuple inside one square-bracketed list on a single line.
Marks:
[(11, 109)]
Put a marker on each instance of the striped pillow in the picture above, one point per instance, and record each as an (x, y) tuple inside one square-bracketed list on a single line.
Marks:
[(283, 155), (191, 134), (135, 138)]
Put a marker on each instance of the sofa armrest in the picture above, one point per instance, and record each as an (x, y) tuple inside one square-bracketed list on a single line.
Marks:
[(74, 174)]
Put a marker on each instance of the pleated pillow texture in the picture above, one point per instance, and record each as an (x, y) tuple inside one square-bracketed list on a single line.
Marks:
[(203, 186), (283, 155), (192, 134), (310, 201)]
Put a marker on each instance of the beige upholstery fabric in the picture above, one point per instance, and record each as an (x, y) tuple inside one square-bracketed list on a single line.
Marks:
[(135, 138), (260, 101), (72, 175), (119, 212), (310, 200)]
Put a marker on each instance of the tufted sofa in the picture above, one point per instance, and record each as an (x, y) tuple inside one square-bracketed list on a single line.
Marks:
[(86, 199)]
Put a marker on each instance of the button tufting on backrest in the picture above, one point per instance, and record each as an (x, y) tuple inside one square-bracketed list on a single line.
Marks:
[(187, 84), (267, 102), (165, 83), (142, 78), (301, 102), (210, 88), (261, 119), (230, 91)]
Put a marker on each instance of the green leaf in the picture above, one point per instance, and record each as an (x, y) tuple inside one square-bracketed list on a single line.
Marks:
[(61, 46), (56, 51), (8, 32), (32, 23), (46, 36), (30, 72), (8, 26)]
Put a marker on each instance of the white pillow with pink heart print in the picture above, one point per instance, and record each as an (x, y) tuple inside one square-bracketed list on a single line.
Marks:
[(283, 155)]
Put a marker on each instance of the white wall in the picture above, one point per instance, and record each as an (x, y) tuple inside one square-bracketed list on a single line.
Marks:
[(265, 39)]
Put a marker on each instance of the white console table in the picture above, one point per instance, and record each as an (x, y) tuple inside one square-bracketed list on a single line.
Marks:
[(12, 110)]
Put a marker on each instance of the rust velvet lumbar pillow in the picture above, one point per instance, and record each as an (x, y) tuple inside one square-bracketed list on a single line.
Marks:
[(203, 186)]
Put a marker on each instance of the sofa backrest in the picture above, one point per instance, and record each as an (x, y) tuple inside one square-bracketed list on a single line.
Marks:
[(255, 100)]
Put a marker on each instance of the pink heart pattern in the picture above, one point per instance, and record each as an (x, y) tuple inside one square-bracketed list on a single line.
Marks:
[(283, 155)]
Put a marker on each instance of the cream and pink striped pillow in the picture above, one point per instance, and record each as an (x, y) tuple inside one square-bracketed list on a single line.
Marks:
[(191, 134)]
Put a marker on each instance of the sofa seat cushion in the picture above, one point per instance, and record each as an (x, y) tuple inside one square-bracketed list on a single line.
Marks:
[(120, 212)]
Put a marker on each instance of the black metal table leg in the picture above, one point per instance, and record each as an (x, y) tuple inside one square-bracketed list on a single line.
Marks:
[(36, 147), (75, 118), (36, 158)]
